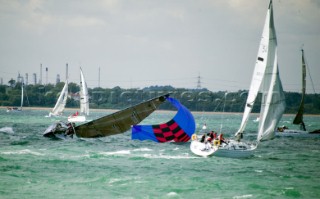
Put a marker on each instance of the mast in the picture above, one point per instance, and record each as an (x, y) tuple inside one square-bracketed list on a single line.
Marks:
[(99, 79), (21, 96), (299, 116)]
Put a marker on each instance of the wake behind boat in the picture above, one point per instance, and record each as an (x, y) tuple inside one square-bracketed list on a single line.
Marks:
[(265, 80)]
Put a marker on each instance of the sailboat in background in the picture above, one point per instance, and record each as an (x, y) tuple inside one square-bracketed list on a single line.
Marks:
[(61, 102), (15, 109), (84, 102), (298, 120), (265, 80)]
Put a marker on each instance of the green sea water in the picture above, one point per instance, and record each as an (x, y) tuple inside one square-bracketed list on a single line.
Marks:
[(32, 166)]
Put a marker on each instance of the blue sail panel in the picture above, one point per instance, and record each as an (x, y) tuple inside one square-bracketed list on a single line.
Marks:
[(179, 129), (143, 132)]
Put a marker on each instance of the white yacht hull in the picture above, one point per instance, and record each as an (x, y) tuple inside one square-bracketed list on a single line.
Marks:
[(202, 149), (233, 149), (78, 118)]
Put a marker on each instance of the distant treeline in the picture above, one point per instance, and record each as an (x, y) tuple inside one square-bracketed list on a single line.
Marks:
[(118, 98)]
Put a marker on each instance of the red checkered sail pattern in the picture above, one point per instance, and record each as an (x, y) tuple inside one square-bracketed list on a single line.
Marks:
[(170, 131)]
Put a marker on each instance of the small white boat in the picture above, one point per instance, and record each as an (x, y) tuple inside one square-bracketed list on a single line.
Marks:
[(17, 109), (84, 102), (61, 102)]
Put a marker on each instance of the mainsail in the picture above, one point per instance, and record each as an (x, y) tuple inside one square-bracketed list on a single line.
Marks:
[(299, 117), (84, 96), (266, 80), (179, 129), (119, 122), (61, 102)]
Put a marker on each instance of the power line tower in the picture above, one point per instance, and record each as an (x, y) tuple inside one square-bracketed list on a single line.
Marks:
[(199, 82)]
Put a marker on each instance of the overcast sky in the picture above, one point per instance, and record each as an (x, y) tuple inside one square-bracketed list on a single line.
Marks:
[(139, 43)]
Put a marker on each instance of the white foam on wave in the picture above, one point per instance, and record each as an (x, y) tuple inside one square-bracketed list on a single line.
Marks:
[(22, 152), (142, 149), (8, 130), (172, 194), (122, 152), (161, 156), (243, 196)]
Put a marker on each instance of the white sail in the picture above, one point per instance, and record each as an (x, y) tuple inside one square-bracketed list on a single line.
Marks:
[(267, 81), (258, 73), (84, 96), (273, 99), (61, 102)]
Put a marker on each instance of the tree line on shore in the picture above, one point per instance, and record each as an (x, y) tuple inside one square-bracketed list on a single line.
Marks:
[(119, 98)]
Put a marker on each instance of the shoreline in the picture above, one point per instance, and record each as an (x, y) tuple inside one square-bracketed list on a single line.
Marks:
[(114, 110)]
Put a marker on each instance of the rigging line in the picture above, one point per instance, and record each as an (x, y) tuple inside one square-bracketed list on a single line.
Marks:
[(305, 61)]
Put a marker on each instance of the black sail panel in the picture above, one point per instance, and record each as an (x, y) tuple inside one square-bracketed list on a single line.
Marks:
[(299, 117)]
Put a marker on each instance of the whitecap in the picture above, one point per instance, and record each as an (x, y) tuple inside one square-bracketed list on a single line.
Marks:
[(122, 152), (22, 152), (161, 156), (142, 149), (172, 194), (8, 130), (243, 196)]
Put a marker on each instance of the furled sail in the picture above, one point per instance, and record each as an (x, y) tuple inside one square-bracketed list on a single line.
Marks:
[(119, 122), (61, 102), (178, 129), (299, 117), (84, 96)]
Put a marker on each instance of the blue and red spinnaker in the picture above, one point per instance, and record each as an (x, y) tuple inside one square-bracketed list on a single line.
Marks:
[(179, 129)]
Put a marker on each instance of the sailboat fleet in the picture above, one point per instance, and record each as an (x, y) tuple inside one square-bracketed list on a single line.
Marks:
[(265, 81)]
